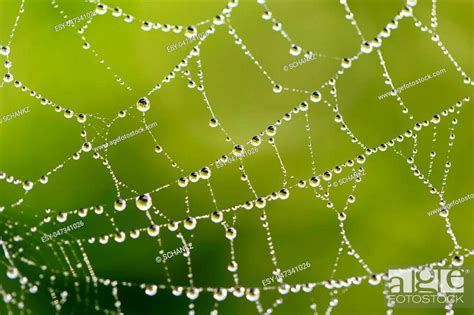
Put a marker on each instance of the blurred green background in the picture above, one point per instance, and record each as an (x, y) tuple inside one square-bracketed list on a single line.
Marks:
[(388, 224)]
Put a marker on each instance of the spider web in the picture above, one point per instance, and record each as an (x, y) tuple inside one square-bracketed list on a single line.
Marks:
[(62, 270)]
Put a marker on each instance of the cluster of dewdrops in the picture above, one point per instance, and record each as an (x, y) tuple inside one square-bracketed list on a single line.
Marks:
[(318, 183)]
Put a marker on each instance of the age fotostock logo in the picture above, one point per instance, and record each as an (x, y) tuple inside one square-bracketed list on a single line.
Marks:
[(429, 287)]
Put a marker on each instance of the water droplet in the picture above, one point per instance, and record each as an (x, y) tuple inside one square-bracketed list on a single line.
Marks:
[(238, 150), (44, 179), (177, 291), (366, 48), (248, 205), (61, 216), (393, 24), (117, 12), (295, 50), (8, 77), (81, 118), (436, 119), (119, 237), (360, 159), (151, 289), (256, 141), (346, 63), (314, 181), (120, 205), (217, 216), (218, 19), (68, 113), (231, 233), (315, 97), (4, 50), (128, 19), (271, 131), (205, 173), (252, 294), (143, 104), (260, 203), (27, 185), (327, 176), (220, 294), (238, 291), (190, 32), (190, 223), (376, 42), (146, 26), (143, 202), (341, 216), (194, 177), (233, 266), (153, 230), (82, 212), (458, 260), (277, 88), (99, 210), (135, 233), (284, 194), (375, 279), (183, 182), (12, 273), (213, 122), (101, 9), (86, 146), (267, 15)]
